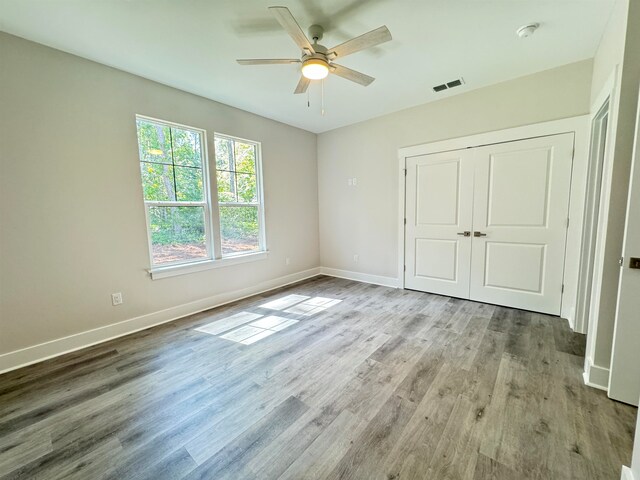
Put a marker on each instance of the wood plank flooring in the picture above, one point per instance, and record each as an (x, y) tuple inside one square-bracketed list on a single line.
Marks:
[(386, 384)]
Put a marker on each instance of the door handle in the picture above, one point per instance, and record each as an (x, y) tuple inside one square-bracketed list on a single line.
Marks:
[(466, 233), (479, 234)]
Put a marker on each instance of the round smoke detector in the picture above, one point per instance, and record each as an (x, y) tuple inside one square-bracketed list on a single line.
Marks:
[(527, 30)]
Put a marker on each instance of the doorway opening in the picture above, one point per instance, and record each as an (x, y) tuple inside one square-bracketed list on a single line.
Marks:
[(597, 153)]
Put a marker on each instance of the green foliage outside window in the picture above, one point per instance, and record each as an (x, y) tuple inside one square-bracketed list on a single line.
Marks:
[(237, 184), (171, 167), (171, 163), (177, 225)]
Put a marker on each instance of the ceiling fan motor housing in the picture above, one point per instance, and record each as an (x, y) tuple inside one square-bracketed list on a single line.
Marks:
[(316, 32), (317, 60)]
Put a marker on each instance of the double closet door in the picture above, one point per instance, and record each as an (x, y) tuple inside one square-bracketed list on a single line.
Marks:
[(489, 223)]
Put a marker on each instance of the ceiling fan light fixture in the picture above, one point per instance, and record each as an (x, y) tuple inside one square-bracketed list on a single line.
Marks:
[(315, 69), (317, 60)]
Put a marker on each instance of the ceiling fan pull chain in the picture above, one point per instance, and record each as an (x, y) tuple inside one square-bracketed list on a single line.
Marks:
[(308, 100), (322, 97)]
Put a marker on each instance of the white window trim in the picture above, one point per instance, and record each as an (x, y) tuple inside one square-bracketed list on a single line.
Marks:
[(211, 212), (193, 267), (262, 238), (206, 203)]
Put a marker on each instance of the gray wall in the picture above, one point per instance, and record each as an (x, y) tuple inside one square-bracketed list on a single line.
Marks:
[(73, 223), (363, 219)]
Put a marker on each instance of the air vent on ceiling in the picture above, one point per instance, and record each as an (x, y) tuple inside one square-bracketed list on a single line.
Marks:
[(452, 84)]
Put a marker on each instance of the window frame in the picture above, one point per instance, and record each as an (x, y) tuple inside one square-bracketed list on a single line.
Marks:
[(211, 207), (262, 241), (205, 203)]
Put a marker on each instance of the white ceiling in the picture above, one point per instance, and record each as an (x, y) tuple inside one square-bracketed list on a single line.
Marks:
[(193, 44)]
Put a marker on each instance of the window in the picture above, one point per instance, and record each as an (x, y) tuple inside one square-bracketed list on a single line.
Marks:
[(174, 182), (239, 196), (178, 202)]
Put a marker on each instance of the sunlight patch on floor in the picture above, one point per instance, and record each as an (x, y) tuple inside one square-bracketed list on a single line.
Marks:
[(248, 328), (312, 306), (258, 330), (220, 326), (284, 302), (301, 304), (274, 323)]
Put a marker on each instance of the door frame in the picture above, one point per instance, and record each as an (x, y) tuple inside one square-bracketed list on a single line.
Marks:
[(593, 223), (580, 127)]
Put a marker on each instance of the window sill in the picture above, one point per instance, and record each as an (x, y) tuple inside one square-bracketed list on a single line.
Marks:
[(174, 270)]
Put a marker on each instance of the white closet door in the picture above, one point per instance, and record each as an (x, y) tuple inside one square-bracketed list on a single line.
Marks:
[(439, 195), (520, 208)]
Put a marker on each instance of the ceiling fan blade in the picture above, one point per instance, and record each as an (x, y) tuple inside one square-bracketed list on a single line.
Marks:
[(284, 16), (266, 61), (352, 75), (303, 84), (367, 40)]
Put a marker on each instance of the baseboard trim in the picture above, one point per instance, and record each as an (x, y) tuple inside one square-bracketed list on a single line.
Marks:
[(571, 318), (54, 348), (627, 474), (595, 376), (361, 277)]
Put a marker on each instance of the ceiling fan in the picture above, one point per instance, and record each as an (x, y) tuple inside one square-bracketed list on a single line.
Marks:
[(317, 60)]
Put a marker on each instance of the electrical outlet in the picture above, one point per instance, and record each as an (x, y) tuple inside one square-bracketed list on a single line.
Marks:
[(116, 299), (356, 257), (287, 260), (354, 181)]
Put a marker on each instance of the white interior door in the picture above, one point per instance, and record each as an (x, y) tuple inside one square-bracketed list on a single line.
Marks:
[(439, 196), (624, 380), (520, 208)]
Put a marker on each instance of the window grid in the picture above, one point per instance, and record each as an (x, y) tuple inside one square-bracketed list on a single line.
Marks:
[(233, 225), (176, 203), (229, 165)]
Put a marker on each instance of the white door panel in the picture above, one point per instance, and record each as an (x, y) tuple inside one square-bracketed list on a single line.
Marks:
[(439, 190), (521, 202), (518, 185), (515, 195), (436, 259), (504, 263)]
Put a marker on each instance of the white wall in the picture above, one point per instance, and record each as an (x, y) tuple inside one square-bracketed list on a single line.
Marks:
[(611, 48), (71, 210), (363, 220), (619, 47)]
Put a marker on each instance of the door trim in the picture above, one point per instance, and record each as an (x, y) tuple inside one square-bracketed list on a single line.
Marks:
[(593, 226), (580, 127)]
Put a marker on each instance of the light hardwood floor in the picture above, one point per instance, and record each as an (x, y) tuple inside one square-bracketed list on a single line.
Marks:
[(386, 384)]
